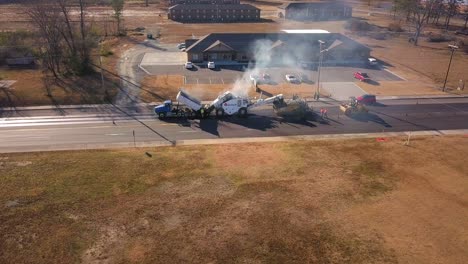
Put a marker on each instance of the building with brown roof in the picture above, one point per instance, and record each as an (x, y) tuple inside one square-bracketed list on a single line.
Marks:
[(315, 11), (280, 47)]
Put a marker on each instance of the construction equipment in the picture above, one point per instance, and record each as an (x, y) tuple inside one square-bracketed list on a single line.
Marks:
[(225, 104), (295, 108), (193, 107), (354, 107)]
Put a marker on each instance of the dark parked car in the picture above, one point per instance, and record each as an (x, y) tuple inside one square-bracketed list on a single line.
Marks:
[(367, 99)]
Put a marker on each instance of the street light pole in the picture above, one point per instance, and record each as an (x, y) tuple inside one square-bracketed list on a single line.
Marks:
[(452, 48), (317, 91)]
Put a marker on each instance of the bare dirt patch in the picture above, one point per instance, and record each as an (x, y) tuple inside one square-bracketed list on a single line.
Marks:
[(167, 86), (400, 88)]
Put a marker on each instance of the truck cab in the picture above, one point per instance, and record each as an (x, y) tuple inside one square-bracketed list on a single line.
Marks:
[(164, 109)]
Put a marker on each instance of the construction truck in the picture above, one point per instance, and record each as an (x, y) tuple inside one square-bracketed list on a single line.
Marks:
[(354, 107), (293, 109), (187, 106), (225, 104)]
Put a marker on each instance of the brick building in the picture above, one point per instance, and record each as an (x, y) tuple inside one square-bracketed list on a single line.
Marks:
[(211, 2), (212, 11), (316, 11)]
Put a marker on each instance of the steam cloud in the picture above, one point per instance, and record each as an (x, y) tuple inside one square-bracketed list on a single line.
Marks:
[(286, 56)]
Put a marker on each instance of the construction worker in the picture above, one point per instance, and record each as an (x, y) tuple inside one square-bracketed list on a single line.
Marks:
[(202, 112)]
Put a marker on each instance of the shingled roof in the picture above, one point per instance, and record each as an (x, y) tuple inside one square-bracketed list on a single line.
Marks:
[(211, 7), (244, 41), (301, 5)]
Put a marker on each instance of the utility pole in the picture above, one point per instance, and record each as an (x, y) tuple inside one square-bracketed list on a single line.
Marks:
[(452, 48), (100, 66), (317, 91)]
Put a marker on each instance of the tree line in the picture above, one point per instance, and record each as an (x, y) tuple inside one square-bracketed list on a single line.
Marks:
[(423, 12), (66, 36)]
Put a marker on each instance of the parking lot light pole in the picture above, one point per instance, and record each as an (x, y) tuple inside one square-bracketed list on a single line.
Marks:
[(317, 91), (452, 48)]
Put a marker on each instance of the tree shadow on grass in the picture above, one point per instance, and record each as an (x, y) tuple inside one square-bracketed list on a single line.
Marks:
[(8, 102)]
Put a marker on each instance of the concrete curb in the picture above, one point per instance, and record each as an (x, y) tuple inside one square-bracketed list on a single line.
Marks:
[(192, 142), (141, 67), (318, 137)]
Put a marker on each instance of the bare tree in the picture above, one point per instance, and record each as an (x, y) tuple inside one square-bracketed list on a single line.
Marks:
[(452, 10), (47, 20), (420, 10), (118, 6), (63, 44), (466, 19)]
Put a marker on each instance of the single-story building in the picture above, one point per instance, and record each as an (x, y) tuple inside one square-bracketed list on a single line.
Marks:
[(315, 11), (212, 2), (214, 13), (276, 48)]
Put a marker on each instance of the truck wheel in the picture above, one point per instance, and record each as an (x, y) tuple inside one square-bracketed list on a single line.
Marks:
[(243, 112), (162, 115), (219, 112)]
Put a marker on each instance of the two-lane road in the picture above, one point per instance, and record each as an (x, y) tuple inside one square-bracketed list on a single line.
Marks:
[(102, 127)]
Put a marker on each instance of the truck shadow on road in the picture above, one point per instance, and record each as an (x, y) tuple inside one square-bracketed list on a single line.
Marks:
[(252, 122), (369, 117)]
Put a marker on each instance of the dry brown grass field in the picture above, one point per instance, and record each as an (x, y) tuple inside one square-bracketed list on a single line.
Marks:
[(339, 201)]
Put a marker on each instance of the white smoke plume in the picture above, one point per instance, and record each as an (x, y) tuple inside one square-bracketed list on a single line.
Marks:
[(264, 59)]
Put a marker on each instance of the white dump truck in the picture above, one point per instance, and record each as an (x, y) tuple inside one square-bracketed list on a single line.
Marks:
[(225, 104)]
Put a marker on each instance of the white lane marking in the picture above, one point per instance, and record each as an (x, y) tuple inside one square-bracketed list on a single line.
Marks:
[(387, 70), (188, 131), (32, 123), (115, 134)]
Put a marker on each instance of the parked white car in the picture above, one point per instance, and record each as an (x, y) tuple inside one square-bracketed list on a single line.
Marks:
[(188, 65), (254, 78), (372, 62), (211, 65), (292, 79), (181, 45)]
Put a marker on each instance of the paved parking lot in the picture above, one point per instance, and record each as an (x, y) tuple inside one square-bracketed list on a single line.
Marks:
[(172, 63), (163, 58), (342, 90)]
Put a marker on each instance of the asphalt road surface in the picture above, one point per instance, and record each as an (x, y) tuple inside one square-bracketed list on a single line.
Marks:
[(105, 126)]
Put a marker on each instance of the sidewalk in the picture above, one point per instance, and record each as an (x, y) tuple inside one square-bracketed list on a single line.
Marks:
[(309, 100)]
